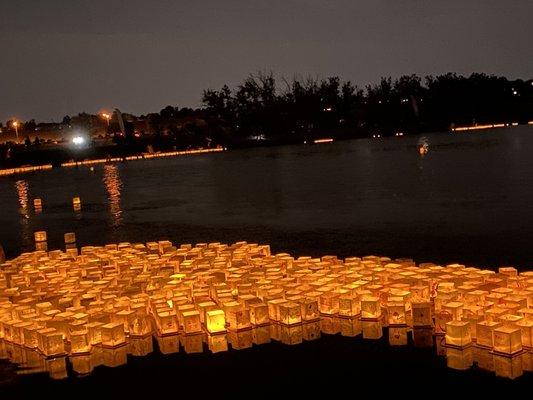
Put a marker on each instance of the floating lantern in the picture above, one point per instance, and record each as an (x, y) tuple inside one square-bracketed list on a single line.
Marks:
[(191, 322), (40, 236), (421, 314), (396, 313), (259, 314), (79, 343), (215, 321), (38, 205), (113, 334), (349, 306), (370, 307), (52, 343), (507, 340), (290, 313), (70, 238), (76, 204), (458, 333)]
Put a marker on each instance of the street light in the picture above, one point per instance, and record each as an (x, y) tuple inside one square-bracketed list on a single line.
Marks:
[(107, 117), (15, 125)]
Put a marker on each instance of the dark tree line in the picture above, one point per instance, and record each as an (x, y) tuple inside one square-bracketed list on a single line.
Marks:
[(262, 109)]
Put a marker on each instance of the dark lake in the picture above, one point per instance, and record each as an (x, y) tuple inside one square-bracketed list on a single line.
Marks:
[(468, 200)]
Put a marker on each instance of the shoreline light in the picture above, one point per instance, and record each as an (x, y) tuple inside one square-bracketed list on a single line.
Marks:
[(20, 170)]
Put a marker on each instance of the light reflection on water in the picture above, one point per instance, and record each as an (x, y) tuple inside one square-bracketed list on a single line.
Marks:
[(30, 361), (22, 193), (22, 189), (113, 186)]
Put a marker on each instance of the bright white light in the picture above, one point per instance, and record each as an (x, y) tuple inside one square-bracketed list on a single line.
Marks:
[(78, 140)]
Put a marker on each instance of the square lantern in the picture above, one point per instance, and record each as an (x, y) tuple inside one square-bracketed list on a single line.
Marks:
[(238, 317), (507, 340), (458, 333), (370, 308), (442, 317), (79, 343), (329, 303), (349, 306), (455, 309), (396, 313), (113, 334), (273, 308), (191, 322), (94, 331), (309, 309), (484, 331), (215, 321), (167, 323), (53, 344), (259, 314), (421, 312), (526, 328), (290, 313)]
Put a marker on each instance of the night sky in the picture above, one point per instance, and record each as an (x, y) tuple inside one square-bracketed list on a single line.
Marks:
[(65, 56)]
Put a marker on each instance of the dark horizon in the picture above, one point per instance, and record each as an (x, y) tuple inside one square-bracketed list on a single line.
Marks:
[(62, 58)]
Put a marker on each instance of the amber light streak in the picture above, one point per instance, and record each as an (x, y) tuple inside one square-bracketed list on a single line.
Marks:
[(113, 186), (12, 171), (327, 140), (22, 193), (481, 127)]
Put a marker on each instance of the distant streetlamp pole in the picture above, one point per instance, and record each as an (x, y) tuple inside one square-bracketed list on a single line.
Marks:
[(16, 126), (107, 117)]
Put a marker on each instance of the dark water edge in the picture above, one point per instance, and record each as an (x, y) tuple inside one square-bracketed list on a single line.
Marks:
[(489, 250), (333, 365)]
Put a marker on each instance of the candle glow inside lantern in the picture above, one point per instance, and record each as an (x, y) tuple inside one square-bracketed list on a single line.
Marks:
[(507, 340), (421, 314), (40, 236), (215, 321), (484, 333), (370, 307), (37, 204), (259, 314), (113, 334), (458, 333), (349, 306), (290, 313), (76, 203), (79, 343), (191, 322), (52, 344), (396, 313)]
